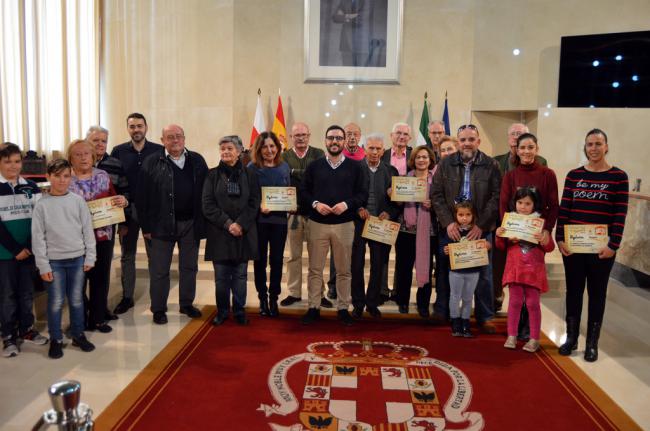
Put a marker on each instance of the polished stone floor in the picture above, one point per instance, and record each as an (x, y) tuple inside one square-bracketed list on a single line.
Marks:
[(623, 369)]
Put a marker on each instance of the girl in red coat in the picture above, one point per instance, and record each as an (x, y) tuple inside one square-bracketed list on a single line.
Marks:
[(525, 271)]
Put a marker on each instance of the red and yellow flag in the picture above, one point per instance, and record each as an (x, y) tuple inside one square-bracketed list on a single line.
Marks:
[(279, 127)]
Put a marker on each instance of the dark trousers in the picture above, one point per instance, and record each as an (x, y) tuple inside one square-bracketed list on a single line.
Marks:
[(129, 247), (581, 268), (270, 242), (230, 278), (16, 295), (441, 306), (378, 253), (98, 283), (160, 260), (404, 269)]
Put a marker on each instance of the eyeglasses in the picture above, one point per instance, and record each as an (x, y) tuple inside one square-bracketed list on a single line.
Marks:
[(467, 126), (516, 134), (335, 138)]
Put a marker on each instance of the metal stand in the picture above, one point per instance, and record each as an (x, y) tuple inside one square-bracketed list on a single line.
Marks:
[(68, 413)]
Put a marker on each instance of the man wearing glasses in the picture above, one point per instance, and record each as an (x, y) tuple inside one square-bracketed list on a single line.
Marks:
[(298, 158), (400, 152), (507, 161), (470, 175), (333, 188), (169, 205), (436, 130)]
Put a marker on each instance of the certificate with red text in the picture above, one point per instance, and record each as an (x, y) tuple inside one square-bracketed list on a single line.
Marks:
[(384, 231), (408, 189), (468, 254), (104, 213), (585, 238), (522, 227)]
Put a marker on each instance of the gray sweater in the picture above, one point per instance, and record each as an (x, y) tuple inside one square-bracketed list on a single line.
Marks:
[(62, 229)]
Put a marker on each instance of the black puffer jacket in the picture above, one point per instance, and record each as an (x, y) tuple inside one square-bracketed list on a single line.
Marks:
[(221, 210), (155, 195)]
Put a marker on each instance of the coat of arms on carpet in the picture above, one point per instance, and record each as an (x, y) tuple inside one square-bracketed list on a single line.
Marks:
[(365, 385)]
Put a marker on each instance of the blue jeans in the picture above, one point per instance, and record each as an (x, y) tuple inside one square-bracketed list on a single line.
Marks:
[(230, 277), (69, 280), (16, 295), (484, 295)]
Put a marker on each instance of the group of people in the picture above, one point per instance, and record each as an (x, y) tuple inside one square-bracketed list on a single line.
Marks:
[(169, 193)]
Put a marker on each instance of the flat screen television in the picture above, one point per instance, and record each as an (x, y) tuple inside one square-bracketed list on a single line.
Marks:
[(605, 70)]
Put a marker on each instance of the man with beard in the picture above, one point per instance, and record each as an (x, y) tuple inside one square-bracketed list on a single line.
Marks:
[(298, 157), (132, 154), (334, 188), (470, 175)]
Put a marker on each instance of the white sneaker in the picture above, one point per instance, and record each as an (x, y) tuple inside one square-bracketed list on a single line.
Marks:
[(531, 346), (511, 342), (34, 337), (9, 348)]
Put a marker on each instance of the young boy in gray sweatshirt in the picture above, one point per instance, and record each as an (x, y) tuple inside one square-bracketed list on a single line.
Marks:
[(63, 244)]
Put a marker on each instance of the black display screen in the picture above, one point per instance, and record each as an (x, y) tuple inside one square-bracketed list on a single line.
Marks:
[(605, 71)]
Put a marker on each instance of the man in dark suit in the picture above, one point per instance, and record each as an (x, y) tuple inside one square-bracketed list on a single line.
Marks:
[(132, 154), (379, 176)]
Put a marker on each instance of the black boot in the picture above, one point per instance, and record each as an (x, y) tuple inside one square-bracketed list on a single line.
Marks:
[(273, 307), (572, 332), (467, 333), (457, 327), (264, 306), (593, 333)]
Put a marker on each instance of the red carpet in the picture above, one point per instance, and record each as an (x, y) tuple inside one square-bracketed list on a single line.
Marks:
[(396, 375)]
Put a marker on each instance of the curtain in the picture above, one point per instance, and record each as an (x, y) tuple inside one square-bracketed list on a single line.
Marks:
[(49, 71)]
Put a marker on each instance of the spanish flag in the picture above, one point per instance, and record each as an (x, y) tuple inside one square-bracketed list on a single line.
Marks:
[(279, 127)]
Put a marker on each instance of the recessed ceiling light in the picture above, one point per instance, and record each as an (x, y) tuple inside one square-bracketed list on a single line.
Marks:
[(363, 115), (595, 63), (380, 103), (327, 114), (350, 86), (615, 84), (635, 78), (333, 102), (619, 57), (516, 51)]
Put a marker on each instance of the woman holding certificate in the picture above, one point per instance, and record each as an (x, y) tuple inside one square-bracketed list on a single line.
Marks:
[(93, 184), (231, 200), (273, 177), (416, 241), (530, 173), (589, 231)]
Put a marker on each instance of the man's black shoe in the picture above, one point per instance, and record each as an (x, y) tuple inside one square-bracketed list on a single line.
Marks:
[(190, 311), (403, 309), (289, 300), (241, 320), (423, 312), (312, 315), (82, 342), (110, 316), (374, 312), (102, 327), (325, 303), (357, 312), (124, 306), (219, 319), (345, 317), (160, 318)]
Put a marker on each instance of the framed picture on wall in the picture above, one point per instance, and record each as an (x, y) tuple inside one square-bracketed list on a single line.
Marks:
[(356, 41)]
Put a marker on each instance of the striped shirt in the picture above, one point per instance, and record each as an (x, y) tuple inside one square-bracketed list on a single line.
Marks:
[(595, 198)]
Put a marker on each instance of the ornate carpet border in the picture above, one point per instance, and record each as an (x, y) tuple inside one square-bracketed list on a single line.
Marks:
[(145, 388)]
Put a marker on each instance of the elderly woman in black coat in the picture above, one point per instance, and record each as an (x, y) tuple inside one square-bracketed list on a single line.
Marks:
[(231, 201)]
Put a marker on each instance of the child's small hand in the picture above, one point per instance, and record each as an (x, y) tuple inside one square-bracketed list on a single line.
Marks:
[(501, 231), (47, 277), (546, 237), (24, 254), (88, 268), (446, 250)]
